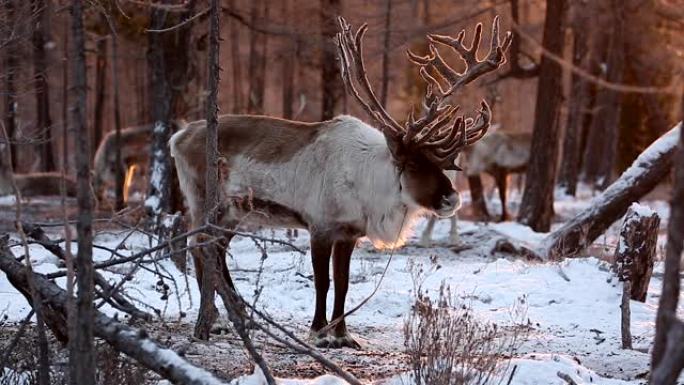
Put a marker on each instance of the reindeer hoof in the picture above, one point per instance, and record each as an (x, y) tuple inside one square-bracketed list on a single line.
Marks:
[(334, 342)]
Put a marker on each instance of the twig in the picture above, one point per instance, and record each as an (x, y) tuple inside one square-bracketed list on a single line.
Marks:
[(565, 377), (179, 25)]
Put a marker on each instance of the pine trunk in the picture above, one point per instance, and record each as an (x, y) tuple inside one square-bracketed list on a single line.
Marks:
[(257, 59), (536, 209), (100, 84), (238, 104), (82, 354), (43, 118), (10, 75), (331, 83), (207, 311)]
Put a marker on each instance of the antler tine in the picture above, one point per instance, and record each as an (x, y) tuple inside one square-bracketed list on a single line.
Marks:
[(480, 126), (474, 67), (351, 59)]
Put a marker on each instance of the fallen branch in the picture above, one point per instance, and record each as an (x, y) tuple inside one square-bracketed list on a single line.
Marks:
[(109, 294), (128, 340), (640, 178)]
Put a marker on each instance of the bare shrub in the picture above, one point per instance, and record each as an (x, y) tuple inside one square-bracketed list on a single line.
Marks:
[(114, 368), (447, 345)]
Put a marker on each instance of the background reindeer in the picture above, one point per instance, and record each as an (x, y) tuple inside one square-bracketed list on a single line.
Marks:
[(498, 154), (342, 179)]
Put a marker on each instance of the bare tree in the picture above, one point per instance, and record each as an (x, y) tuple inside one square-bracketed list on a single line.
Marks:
[(289, 60), (9, 64), (207, 313), (40, 37), (580, 99), (238, 104), (100, 85), (257, 58), (331, 84), (82, 354), (119, 172), (603, 134), (385, 53), (536, 209)]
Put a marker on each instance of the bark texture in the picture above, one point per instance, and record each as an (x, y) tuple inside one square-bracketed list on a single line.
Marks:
[(331, 83), (40, 37), (536, 209), (635, 254), (82, 352)]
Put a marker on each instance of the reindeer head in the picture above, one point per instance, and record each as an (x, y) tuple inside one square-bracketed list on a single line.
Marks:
[(423, 148)]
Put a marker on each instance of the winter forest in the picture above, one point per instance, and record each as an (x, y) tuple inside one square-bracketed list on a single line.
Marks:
[(328, 192)]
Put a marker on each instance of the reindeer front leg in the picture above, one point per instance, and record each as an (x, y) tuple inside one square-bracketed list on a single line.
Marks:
[(321, 247), (341, 259)]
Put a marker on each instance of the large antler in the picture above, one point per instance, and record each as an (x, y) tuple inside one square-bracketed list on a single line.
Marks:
[(440, 133)]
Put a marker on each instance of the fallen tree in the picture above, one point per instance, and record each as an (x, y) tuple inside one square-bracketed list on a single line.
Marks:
[(128, 340), (640, 178)]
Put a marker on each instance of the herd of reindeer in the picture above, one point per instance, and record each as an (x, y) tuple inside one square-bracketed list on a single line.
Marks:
[(342, 179)]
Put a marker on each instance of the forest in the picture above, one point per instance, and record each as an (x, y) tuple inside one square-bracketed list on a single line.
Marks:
[(302, 192)]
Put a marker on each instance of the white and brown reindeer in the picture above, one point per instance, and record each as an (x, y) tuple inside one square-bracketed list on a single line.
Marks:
[(498, 154), (342, 179)]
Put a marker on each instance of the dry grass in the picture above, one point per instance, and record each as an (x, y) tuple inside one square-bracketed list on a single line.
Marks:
[(447, 345)]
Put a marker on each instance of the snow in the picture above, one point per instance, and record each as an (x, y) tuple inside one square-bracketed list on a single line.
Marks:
[(571, 307)]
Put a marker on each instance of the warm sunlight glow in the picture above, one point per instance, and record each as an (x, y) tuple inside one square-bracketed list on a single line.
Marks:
[(129, 179)]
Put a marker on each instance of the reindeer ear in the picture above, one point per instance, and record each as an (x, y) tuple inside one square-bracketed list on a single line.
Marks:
[(396, 147)]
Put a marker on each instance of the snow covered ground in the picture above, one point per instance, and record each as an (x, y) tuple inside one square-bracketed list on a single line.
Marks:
[(571, 307)]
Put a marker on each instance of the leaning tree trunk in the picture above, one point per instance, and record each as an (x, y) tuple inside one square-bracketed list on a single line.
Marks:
[(43, 119), (10, 66), (536, 209), (207, 313), (645, 173), (669, 298), (331, 83), (82, 352)]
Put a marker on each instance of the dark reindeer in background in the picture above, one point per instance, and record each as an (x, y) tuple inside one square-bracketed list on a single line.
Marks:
[(342, 179)]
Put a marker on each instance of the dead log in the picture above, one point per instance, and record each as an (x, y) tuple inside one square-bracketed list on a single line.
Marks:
[(125, 339), (641, 177), (635, 254), (109, 294), (39, 183), (670, 366)]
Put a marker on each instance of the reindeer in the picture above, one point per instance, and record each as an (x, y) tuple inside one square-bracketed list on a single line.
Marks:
[(341, 179), (135, 155), (498, 154)]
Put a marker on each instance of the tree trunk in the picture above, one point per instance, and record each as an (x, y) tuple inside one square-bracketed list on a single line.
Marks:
[(125, 339), (100, 84), (603, 134), (578, 105), (119, 170), (331, 83), (159, 199), (43, 119), (636, 250), (10, 74), (207, 311), (667, 306), (236, 62), (257, 58), (82, 354), (645, 173), (288, 65), (536, 209), (385, 53)]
